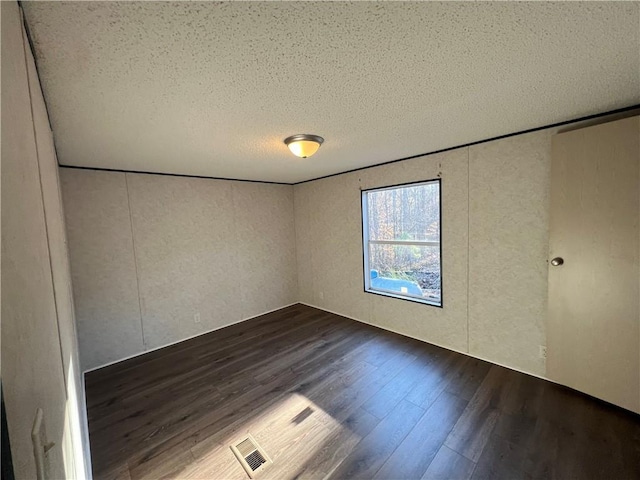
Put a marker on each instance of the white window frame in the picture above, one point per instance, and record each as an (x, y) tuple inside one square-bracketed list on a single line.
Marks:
[(366, 242)]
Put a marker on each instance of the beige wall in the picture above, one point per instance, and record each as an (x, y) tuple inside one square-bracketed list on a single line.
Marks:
[(150, 252), (102, 265), (39, 354), (508, 245), (495, 240), (187, 231), (329, 235)]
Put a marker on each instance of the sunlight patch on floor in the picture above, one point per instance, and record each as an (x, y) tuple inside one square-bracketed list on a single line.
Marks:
[(291, 432)]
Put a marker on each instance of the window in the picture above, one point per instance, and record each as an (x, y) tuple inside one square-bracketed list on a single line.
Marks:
[(401, 241)]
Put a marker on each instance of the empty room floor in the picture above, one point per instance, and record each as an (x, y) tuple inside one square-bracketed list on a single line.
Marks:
[(326, 396)]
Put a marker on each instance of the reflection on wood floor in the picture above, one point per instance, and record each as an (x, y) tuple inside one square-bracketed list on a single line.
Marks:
[(330, 397)]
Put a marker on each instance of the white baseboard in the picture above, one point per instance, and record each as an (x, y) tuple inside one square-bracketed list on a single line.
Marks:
[(432, 343), (185, 339)]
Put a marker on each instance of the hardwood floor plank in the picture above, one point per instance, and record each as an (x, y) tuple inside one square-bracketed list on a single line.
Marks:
[(125, 369), (330, 397), (469, 378), (138, 372), (396, 389), (344, 346), (244, 417), (338, 445), (116, 472), (473, 429), (501, 460), (339, 403), (289, 445), (218, 463), (518, 418), (559, 452), (170, 465), (436, 378), (373, 450), (449, 465), (413, 456)]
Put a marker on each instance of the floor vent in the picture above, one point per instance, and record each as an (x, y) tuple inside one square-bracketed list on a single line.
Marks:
[(251, 456)]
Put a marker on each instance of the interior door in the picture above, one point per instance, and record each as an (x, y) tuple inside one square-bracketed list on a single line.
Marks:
[(593, 335)]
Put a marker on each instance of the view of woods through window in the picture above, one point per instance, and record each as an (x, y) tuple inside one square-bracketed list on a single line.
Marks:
[(402, 241)]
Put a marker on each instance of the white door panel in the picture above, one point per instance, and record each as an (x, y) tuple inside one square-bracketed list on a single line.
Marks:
[(593, 325)]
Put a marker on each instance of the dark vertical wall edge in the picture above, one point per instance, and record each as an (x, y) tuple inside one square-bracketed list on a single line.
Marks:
[(7, 460)]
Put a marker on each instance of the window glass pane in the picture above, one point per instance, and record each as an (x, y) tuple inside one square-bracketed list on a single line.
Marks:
[(402, 241), (405, 213), (412, 270)]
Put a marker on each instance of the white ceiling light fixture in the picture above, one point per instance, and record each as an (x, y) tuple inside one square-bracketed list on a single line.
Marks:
[(303, 145)]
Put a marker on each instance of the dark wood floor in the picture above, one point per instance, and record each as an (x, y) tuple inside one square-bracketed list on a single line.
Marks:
[(329, 397)]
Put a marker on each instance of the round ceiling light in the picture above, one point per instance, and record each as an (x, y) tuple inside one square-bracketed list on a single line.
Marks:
[(303, 145)]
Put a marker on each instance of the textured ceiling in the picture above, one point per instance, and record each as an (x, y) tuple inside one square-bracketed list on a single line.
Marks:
[(213, 88)]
